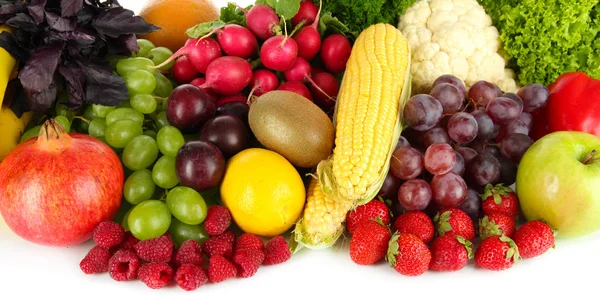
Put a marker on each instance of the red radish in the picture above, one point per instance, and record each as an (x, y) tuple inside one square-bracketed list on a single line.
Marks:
[(308, 12), (236, 40), (279, 53), (183, 71), (237, 98), (200, 52), (335, 52), (299, 72), (228, 75), (324, 88), (262, 21), (296, 87), (56, 188), (309, 39), (263, 81), (316, 70), (198, 82)]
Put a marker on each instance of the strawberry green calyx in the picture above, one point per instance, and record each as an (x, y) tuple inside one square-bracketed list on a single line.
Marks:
[(393, 249), (387, 202), (496, 191), (513, 251), (442, 223), (488, 228), (468, 245)]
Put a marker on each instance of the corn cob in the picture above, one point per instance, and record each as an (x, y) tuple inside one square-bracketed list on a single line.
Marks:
[(322, 223), (367, 117)]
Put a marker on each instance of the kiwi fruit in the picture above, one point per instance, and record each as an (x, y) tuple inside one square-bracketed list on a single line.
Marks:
[(293, 126)]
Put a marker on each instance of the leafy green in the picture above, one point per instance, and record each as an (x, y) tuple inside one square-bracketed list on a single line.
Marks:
[(204, 28), (231, 14), (358, 15), (285, 8), (328, 23)]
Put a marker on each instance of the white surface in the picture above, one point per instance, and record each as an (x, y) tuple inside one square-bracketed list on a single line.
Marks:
[(31, 274)]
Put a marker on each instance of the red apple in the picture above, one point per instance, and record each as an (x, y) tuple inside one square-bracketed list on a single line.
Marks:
[(56, 188)]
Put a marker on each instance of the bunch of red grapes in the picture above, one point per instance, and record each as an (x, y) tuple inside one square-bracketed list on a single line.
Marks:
[(457, 142)]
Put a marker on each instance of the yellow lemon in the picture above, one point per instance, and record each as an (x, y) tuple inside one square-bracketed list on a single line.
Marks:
[(263, 191)]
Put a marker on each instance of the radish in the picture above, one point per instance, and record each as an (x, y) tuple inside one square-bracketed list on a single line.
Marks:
[(183, 71), (296, 87), (236, 40), (324, 88), (227, 75), (308, 12), (279, 53), (262, 21), (263, 81), (198, 82), (237, 98), (200, 52), (299, 72), (335, 52), (308, 38)]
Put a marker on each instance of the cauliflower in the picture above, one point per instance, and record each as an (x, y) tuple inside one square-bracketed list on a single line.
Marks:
[(454, 37)]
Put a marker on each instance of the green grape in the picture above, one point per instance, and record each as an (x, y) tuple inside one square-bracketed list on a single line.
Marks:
[(140, 152), (124, 104), (181, 232), (139, 187), (97, 128), (159, 55), (122, 212), (64, 122), (31, 133), (145, 47), (164, 86), (125, 113), (151, 133), (62, 109), (169, 141), (101, 111), (164, 172), (125, 221), (161, 120), (140, 81), (143, 103), (119, 133), (187, 205), (127, 65), (149, 219)]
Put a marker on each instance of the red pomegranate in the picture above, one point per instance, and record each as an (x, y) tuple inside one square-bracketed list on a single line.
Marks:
[(56, 188)]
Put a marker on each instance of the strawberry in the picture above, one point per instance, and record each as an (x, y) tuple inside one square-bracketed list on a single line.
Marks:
[(220, 269), (369, 242), (416, 223), (450, 253), (500, 199), (496, 253), (369, 210), (496, 224), (534, 238), (454, 221), (408, 254)]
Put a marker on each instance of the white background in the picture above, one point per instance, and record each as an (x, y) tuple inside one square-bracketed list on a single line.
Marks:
[(31, 274)]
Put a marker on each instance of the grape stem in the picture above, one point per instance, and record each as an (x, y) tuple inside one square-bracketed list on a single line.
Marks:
[(589, 157), (82, 118)]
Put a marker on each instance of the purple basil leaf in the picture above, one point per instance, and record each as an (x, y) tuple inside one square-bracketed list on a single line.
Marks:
[(77, 36), (75, 81), (36, 10), (8, 41), (59, 23), (18, 101), (41, 101), (23, 21), (102, 87), (39, 69), (11, 7), (70, 7), (117, 21), (124, 45), (85, 16)]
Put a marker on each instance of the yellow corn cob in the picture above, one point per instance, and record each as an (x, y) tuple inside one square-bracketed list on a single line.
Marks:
[(322, 222), (367, 117)]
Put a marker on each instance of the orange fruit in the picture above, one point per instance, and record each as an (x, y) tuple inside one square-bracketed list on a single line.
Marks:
[(174, 17)]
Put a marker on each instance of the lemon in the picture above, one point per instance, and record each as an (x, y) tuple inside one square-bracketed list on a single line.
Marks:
[(263, 191)]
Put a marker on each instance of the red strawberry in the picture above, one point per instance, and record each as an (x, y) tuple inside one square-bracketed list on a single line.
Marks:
[(369, 210), (496, 253), (450, 253), (416, 223), (217, 220), (454, 221), (534, 238), (277, 251), (500, 199), (369, 242), (496, 224), (220, 269), (248, 261), (408, 254)]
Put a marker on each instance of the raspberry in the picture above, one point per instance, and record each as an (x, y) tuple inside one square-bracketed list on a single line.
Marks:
[(220, 269), (96, 261), (155, 275), (128, 242), (108, 234), (277, 251), (157, 250), (123, 265), (228, 236), (190, 277), (190, 252), (217, 220), (249, 241), (248, 261), (221, 245)]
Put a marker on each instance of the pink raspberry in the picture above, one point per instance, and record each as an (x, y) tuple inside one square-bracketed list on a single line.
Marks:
[(108, 234), (248, 241), (155, 275), (248, 261), (190, 277), (220, 269), (217, 220), (96, 261), (123, 265), (128, 242), (221, 245), (190, 252), (157, 250), (277, 251)]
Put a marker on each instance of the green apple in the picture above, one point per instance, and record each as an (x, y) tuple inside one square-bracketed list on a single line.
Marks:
[(559, 181)]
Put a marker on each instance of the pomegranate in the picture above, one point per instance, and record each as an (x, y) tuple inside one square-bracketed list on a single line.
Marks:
[(56, 188)]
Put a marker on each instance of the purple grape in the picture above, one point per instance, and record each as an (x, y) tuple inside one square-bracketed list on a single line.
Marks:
[(467, 153), (462, 127), (502, 110), (526, 119), (228, 133), (414, 137), (406, 163), (453, 80), (496, 131), (236, 109), (444, 122), (449, 190), (200, 165), (493, 150), (389, 189), (508, 172), (439, 158), (402, 142), (514, 146), (517, 126), (459, 167), (472, 205), (534, 96), (188, 108), (484, 169), (485, 125), (422, 112), (515, 98), (483, 92), (436, 135), (414, 195), (449, 96)]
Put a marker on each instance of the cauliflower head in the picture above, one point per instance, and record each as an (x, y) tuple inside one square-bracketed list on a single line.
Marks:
[(454, 37)]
